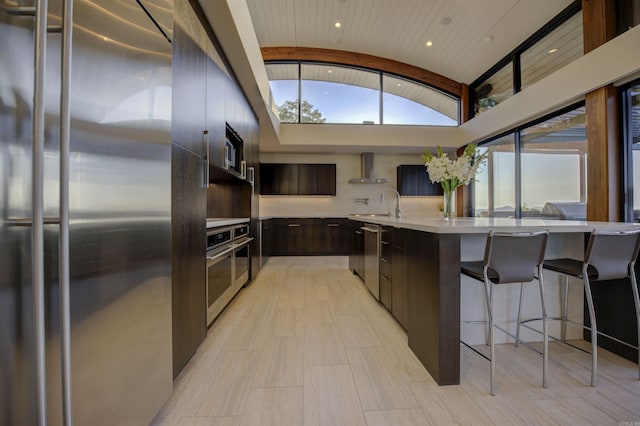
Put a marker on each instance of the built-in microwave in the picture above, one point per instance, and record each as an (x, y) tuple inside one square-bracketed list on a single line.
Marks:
[(230, 155), (233, 145)]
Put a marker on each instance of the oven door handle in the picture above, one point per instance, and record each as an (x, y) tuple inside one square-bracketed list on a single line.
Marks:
[(221, 254), (242, 243)]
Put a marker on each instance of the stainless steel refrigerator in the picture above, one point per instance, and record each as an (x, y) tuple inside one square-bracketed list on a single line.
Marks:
[(85, 169)]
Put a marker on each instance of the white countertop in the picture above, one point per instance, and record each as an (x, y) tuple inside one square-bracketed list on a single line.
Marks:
[(482, 225), (214, 222)]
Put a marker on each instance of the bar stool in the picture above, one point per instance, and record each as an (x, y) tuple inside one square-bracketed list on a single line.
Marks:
[(610, 255), (510, 258)]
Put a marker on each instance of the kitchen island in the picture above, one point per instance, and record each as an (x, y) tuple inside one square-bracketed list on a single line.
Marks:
[(435, 248)]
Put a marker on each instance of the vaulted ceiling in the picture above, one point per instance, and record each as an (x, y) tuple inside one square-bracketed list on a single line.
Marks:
[(467, 36)]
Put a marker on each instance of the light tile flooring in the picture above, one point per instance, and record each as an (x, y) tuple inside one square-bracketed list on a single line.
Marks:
[(306, 344)]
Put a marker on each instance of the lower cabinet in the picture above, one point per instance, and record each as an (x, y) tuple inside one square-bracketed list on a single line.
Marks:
[(399, 291), (386, 266), (356, 249), (310, 237)]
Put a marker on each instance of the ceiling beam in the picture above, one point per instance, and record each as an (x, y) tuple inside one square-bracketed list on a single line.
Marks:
[(356, 59)]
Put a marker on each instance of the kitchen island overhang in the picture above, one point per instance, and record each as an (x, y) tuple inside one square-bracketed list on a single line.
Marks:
[(434, 253)]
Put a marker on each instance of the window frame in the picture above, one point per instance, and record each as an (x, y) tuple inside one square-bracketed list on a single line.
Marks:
[(513, 57), (517, 132), (381, 91)]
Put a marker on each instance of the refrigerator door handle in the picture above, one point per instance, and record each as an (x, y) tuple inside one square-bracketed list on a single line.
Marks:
[(65, 130), (37, 245), (205, 159)]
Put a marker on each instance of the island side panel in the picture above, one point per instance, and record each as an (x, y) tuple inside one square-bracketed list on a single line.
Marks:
[(434, 303)]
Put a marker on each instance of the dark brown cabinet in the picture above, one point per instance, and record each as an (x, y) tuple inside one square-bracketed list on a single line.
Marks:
[(399, 291), (356, 254), (310, 237), (189, 80), (412, 179), (385, 264), (188, 245), (297, 179)]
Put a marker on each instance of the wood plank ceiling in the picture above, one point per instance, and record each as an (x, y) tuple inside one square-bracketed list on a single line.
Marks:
[(468, 36)]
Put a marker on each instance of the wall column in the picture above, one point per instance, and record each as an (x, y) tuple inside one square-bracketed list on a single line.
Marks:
[(603, 165)]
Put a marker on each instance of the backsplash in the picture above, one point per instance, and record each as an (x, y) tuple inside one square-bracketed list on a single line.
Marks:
[(350, 198)]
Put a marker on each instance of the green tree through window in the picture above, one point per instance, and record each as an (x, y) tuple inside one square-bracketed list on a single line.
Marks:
[(288, 113)]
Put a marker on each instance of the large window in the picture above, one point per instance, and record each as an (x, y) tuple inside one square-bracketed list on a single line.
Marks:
[(553, 167), (494, 89), (537, 171), (339, 95), (495, 185), (632, 133), (552, 47), (283, 79), (560, 47), (342, 94)]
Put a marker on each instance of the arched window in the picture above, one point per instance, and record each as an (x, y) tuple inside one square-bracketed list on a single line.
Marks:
[(308, 92)]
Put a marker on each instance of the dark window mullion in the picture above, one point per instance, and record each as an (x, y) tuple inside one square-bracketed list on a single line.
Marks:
[(517, 78), (381, 95), (299, 92), (518, 165)]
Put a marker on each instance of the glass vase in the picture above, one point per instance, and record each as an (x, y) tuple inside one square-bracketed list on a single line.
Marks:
[(449, 205)]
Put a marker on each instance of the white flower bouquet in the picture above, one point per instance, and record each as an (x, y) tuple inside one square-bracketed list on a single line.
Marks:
[(452, 174)]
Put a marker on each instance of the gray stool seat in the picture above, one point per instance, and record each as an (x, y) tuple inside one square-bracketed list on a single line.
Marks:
[(610, 255), (475, 270), (569, 267), (510, 258)]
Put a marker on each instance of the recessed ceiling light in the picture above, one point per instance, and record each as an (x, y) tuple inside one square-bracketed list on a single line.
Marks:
[(329, 71), (338, 24), (446, 20), (554, 50), (429, 43), (488, 39), (399, 84)]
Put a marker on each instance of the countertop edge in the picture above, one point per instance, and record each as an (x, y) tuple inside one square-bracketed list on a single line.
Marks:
[(484, 225)]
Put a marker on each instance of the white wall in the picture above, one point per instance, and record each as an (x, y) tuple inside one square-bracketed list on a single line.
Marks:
[(344, 203)]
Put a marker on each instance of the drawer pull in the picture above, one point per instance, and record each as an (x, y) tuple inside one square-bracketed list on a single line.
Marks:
[(333, 224), (293, 225)]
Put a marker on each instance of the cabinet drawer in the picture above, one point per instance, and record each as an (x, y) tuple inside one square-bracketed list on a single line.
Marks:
[(385, 291), (385, 267)]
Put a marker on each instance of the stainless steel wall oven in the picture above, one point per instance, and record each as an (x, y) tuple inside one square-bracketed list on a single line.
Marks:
[(242, 258), (220, 274), (228, 260)]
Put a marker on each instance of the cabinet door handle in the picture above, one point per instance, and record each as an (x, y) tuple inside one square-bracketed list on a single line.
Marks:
[(384, 242), (333, 224), (293, 225), (359, 232), (205, 157)]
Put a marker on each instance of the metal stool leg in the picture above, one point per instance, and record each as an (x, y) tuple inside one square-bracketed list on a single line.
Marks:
[(636, 299), (519, 315), (488, 327), (491, 341), (545, 332), (565, 308), (594, 328)]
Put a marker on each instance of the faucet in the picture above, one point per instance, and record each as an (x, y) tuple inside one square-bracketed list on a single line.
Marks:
[(398, 211)]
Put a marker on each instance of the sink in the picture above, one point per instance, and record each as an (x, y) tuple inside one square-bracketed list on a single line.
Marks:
[(370, 215)]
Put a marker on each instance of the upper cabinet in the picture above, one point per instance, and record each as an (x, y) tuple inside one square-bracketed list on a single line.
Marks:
[(215, 106), (413, 180), (297, 179), (189, 79)]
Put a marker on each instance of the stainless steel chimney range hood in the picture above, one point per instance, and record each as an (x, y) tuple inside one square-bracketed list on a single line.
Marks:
[(366, 164)]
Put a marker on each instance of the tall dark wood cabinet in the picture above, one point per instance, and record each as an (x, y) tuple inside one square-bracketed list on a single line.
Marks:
[(188, 245), (399, 291), (188, 193)]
